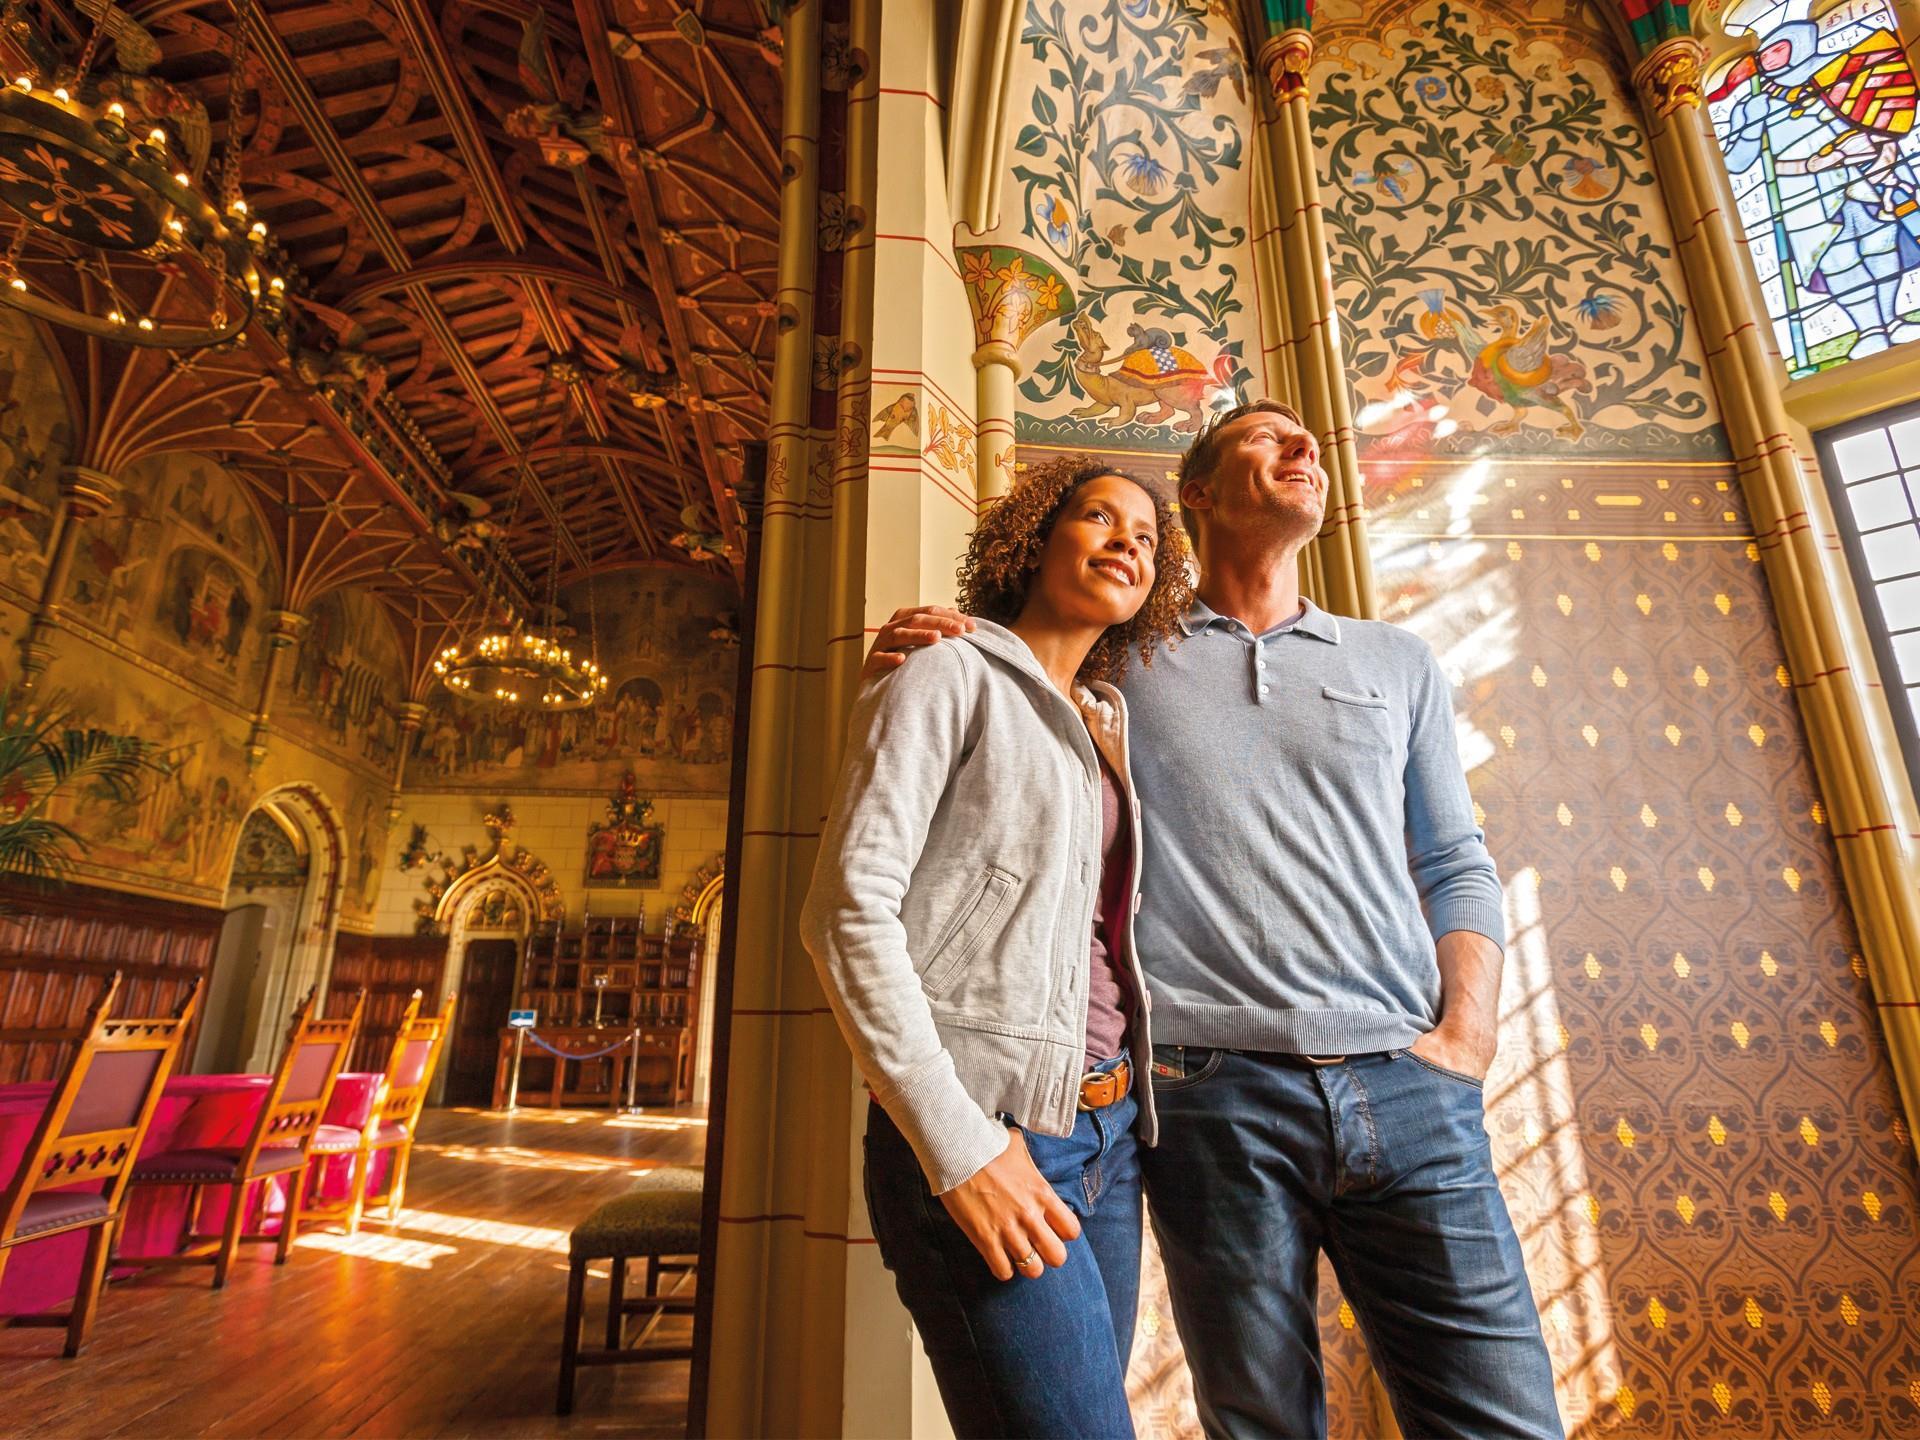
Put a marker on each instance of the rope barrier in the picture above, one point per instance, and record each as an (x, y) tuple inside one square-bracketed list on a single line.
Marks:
[(590, 1055)]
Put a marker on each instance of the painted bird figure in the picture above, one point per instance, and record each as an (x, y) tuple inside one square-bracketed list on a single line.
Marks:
[(904, 411), (1515, 370)]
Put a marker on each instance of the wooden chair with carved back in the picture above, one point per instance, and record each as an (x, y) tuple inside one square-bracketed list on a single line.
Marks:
[(277, 1145), (75, 1171), (391, 1123)]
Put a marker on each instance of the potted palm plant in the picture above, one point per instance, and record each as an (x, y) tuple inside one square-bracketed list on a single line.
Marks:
[(44, 754)]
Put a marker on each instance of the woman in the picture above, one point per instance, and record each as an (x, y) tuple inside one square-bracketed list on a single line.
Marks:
[(971, 920)]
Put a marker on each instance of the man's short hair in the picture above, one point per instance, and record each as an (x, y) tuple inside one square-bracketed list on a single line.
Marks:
[(1203, 456)]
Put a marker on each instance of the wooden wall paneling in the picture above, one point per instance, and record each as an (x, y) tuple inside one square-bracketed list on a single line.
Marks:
[(391, 968), (59, 943)]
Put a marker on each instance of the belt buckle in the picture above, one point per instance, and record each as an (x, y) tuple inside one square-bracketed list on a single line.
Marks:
[(1324, 1060), (1111, 1083)]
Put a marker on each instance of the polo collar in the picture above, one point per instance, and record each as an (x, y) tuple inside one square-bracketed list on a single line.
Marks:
[(1313, 621)]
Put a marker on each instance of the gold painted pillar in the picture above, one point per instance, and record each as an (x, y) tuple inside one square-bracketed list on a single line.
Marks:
[(778, 1283), (1339, 571), (84, 494), (997, 372), (1868, 798), (285, 634)]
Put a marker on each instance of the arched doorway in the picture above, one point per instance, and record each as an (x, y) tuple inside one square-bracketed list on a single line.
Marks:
[(283, 900), (706, 913), (488, 913)]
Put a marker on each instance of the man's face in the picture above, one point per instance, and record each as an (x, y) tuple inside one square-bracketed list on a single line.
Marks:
[(1267, 482)]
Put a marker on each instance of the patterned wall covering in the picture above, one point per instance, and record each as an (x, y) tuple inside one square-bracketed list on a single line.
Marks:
[(1693, 1116), (1128, 180)]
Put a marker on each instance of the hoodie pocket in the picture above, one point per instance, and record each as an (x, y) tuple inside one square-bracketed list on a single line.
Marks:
[(977, 918)]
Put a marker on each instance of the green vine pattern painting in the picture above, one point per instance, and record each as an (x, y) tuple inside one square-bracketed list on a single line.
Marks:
[(1501, 257), (1131, 177)]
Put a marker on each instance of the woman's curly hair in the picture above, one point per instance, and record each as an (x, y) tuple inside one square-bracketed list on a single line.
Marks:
[(1003, 557)]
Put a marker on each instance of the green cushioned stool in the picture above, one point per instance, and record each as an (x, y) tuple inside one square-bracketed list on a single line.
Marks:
[(658, 1218)]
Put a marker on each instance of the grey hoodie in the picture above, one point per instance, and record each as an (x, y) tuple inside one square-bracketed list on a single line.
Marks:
[(953, 898)]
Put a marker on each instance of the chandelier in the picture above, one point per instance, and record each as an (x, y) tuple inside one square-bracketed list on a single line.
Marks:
[(117, 234), (520, 665)]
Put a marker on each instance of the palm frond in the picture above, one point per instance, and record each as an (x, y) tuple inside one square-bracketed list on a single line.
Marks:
[(112, 764), (41, 752), (36, 846)]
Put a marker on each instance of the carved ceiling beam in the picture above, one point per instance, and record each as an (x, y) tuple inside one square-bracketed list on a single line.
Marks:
[(487, 265), (346, 172), (482, 398), (451, 96), (612, 449), (612, 79)]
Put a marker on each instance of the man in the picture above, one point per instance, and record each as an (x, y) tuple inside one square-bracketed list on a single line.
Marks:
[(1321, 929)]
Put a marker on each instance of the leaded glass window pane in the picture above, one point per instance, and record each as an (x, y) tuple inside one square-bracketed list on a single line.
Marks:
[(1872, 468), (1817, 124)]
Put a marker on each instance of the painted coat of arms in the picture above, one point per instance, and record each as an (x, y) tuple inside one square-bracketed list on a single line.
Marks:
[(624, 852)]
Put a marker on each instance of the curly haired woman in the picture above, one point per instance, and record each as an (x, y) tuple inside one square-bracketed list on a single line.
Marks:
[(971, 918)]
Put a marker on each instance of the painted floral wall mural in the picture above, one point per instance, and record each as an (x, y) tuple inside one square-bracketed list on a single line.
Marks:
[(1128, 185), (1503, 266)]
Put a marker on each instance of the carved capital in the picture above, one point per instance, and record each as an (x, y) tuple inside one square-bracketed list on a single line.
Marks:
[(1286, 59), (287, 626), (998, 352), (87, 492), (1670, 77), (412, 716)]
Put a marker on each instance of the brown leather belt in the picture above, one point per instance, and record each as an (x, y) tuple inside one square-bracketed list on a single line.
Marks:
[(1109, 1087)]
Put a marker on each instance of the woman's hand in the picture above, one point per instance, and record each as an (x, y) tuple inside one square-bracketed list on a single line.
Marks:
[(1011, 1214)]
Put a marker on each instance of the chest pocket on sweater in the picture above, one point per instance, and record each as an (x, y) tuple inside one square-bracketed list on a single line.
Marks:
[(976, 920), (1361, 725)]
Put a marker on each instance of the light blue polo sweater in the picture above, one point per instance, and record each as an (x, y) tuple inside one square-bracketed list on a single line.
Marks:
[(1309, 835)]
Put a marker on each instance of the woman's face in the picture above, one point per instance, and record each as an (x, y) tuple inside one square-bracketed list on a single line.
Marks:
[(1098, 563)]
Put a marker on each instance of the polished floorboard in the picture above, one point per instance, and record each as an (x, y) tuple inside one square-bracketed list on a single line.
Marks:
[(446, 1323)]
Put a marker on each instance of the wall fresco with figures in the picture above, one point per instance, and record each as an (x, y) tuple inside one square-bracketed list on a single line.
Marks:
[(1502, 262), (1123, 239), (164, 636), (36, 438), (181, 570), (668, 641), (346, 680)]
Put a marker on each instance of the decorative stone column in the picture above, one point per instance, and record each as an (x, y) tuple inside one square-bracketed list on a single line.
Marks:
[(1868, 798), (285, 634), (84, 494), (412, 716), (1339, 572), (1011, 293)]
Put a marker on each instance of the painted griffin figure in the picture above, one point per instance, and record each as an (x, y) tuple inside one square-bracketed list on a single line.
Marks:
[(1515, 370)]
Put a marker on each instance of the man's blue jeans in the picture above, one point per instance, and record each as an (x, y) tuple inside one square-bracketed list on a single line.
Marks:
[(1383, 1162), (1040, 1357)]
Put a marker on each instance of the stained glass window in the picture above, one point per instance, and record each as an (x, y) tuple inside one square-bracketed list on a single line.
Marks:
[(1817, 125), (1873, 468)]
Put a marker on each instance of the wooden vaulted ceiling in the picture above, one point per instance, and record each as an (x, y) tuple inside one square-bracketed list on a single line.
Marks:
[(537, 239)]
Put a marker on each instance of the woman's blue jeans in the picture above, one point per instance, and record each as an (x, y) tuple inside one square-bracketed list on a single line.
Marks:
[(1040, 1357)]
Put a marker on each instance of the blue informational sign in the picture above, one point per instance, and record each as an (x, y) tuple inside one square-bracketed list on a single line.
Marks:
[(522, 1019)]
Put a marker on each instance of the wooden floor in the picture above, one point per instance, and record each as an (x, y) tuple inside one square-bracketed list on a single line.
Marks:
[(447, 1323)]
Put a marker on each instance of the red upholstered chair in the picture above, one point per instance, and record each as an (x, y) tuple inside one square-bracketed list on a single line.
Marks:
[(74, 1174), (294, 1107), (393, 1120)]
